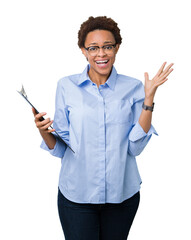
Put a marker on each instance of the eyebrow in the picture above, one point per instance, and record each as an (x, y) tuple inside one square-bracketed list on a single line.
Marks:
[(97, 43)]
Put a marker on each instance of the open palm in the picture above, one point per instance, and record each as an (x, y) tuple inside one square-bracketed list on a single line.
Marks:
[(161, 77)]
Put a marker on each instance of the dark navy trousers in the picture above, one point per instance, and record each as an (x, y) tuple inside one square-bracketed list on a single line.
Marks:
[(108, 221)]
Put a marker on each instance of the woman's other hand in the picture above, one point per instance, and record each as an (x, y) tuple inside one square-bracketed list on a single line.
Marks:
[(160, 78)]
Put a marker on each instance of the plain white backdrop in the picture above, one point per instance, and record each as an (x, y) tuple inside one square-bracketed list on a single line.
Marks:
[(38, 46)]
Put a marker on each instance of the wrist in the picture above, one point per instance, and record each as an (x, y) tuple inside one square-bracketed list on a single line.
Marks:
[(149, 101), (146, 107)]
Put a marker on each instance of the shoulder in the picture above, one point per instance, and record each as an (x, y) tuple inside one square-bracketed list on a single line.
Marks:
[(69, 80), (128, 82), (132, 87)]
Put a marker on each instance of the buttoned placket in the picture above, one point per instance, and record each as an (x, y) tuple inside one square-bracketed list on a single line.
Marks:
[(101, 144)]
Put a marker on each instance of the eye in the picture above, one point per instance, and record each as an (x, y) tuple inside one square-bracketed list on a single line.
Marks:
[(108, 47), (92, 49)]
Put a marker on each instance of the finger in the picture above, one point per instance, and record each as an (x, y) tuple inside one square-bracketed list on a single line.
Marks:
[(46, 126), (161, 69), (51, 130), (167, 69), (34, 111), (38, 116), (161, 82), (40, 124), (163, 76), (146, 76)]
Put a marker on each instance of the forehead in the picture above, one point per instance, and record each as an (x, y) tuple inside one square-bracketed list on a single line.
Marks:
[(99, 37)]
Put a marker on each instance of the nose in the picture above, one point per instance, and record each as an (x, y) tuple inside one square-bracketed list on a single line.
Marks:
[(101, 52)]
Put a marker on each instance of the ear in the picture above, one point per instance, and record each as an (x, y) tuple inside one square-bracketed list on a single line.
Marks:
[(117, 48), (84, 52)]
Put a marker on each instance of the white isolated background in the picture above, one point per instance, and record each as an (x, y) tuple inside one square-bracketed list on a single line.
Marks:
[(38, 46)]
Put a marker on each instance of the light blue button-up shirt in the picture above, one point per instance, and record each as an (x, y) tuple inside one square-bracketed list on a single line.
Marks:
[(101, 125)]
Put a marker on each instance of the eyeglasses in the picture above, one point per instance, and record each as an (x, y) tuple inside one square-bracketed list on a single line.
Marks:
[(94, 50)]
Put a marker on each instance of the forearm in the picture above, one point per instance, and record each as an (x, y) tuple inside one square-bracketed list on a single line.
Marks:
[(49, 139), (146, 116), (142, 131), (150, 90)]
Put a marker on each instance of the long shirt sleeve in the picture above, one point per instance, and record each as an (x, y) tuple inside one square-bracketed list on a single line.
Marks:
[(138, 139), (61, 124)]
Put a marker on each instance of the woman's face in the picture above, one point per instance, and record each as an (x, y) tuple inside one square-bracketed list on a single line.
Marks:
[(102, 63)]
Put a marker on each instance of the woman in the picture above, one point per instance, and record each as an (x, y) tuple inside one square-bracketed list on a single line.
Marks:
[(105, 117)]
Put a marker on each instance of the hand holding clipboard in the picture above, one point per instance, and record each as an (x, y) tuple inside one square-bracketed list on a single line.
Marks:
[(23, 94)]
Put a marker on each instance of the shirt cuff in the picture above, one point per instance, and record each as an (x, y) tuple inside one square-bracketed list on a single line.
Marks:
[(138, 133), (57, 151)]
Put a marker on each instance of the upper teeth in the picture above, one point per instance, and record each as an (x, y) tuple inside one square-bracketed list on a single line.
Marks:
[(104, 61)]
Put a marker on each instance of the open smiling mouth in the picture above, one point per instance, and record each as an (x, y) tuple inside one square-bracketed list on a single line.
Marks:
[(102, 62)]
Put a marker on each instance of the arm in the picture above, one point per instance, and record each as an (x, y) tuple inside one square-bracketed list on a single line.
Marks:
[(61, 124), (150, 91), (142, 129)]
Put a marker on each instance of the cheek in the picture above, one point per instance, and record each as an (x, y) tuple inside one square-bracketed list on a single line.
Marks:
[(90, 59), (113, 59)]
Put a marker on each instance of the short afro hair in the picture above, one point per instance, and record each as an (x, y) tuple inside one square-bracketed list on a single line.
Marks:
[(101, 23)]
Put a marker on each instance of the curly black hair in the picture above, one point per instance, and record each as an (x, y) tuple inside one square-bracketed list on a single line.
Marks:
[(101, 23)]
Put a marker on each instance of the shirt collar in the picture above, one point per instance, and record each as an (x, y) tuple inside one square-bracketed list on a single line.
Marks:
[(84, 76), (111, 81)]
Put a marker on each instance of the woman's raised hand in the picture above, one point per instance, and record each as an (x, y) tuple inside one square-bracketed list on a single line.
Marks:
[(161, 77), (41, 123)]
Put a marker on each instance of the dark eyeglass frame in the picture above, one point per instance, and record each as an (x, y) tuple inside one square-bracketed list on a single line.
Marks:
[(103, 47)]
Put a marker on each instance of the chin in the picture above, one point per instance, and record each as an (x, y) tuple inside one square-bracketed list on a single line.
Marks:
[(103, 70)]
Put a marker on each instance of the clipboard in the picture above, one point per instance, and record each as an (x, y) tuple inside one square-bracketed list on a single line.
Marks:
[(24, 95)]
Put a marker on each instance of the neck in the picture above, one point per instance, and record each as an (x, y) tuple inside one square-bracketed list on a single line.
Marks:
[(98, 79)]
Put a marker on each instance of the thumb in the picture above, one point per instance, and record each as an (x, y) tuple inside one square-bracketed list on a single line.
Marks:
[(146, 76), (34, 112)]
